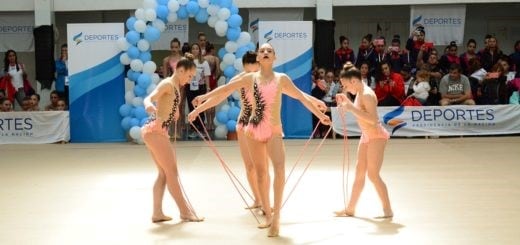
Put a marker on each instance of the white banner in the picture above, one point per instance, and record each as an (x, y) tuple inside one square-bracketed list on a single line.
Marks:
[(36, 127), (439, 121), (16, 31), (442, 23), (257, 15), (179, 29)]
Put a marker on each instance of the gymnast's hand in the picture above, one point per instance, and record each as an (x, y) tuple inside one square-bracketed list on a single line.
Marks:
[(325, 120), (343, 102), (321, 106), (196, 101), (192, 116)]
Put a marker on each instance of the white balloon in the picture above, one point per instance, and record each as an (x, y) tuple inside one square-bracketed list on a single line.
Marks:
[(244, 38), (150, 14), (183, 2), (136, 65), (149, 67), (140, 26), (212, 20), (221, 81), (223, 66), (204, 3), (159, 24), (139, 14), (156, 78), (150, 88), (213, 9), (224, 13), (216, 122), (122, 44), (149, 4), (124, 59), (221, 27), (229, 58), (231, 47), (129, 96), (221, 132), (135, 132), (172, 17), (236, 95), (143, 45), (225, 107), (238, 65), (173, 6), (137, 101)]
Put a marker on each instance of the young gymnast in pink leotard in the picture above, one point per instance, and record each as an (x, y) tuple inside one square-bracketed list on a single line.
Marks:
[(372, 142), (166, 97), (264, 129)]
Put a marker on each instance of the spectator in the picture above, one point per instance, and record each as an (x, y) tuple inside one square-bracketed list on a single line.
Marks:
[(15, 73), (27, 104), (35, 102), (214, 66), (416, 43), (364, 51), (199, 85), (390, 87), (397, 57), (366, 77), (61, 105), (455, 88), (470, 53), (515, 59), (2, 94), (408, 78), (169, 62), (421, 87), (62, 73), (54, 97), (343, 54), (202, 40), (6, 105), (451, 57), (494, 87), (489, 57)]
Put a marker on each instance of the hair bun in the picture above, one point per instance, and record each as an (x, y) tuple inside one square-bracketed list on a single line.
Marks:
[(189, 56), (348, 65)]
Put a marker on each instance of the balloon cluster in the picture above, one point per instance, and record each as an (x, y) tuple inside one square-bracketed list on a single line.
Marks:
[(145, 27)]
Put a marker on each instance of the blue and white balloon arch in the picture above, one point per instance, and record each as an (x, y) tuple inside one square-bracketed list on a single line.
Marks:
[(145, 27)]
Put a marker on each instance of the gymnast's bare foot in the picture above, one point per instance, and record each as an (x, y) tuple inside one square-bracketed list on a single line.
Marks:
[(191, 218), (254, 206), (344, 213), (275, 227), (267, 224), (388, 214), (160, 218)]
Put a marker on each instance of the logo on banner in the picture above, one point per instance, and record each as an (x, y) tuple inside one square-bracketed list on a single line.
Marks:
[(416, 21), (77, 38), (16, 127), (97, 37), (391, 119), (437, 21), (254, 25), (285, 36), (269, 36)]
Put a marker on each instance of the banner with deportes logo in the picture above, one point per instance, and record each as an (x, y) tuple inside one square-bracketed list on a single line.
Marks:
[(35, 127), (442, 23), (178, 30), (292, 41), (438, 120), (97, 88), (269, 14), (16, 30)]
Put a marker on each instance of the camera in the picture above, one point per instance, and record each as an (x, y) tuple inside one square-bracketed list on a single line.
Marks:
[(394, 49)]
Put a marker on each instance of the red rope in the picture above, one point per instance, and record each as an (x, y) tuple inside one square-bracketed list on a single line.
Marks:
[(301, 153), (346, 155)]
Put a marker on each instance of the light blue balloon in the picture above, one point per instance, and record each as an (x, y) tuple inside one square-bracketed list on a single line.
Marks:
[(182, 13), (135, 76), (229, 71), (192, 7), (145, 56), (133, 37), (130, 74), (125, 110), (152, 34), (134, 122), (241, 51), (144, 80), (163, 2), (215, 2), (251, 46), (231, 125), (221, 52), (233, 9), (233, 113), (202, 16), (139, 91), (233, 33), (130, 23), (133, 52), (143, 121), (226, 3), (234, 21), (162, 11), (222, 117), (125, 123), (140, 113)]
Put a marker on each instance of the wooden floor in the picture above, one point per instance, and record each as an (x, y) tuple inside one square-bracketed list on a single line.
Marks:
[(443, 191)]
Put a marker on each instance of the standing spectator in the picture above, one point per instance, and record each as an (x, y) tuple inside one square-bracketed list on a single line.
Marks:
[(390, 87), (62, 74), (455, 88), (378, 56), (364, 51), (515, 59), (214, 66), (450, 57), (470, 53), (489, 56), (343, 54), (15, 72), (203, 41), (199, 85), (415, 43), (168, 68)]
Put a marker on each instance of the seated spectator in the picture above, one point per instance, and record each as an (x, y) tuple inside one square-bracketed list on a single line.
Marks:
[(421, 87), (61, 105), (515, 59), (451, 57), (6, 105), (35, 100), (408, 78), (327, 94), (366, 78), (455, 88), (494, 87), (390, 87), (54, 101), (2, 94), (27, 104)]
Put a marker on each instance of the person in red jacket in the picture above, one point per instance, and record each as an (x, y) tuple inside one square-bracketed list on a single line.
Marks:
[(343, 54), (390, 87)]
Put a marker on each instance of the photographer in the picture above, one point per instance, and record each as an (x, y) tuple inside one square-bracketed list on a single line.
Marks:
[(390, 87)]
